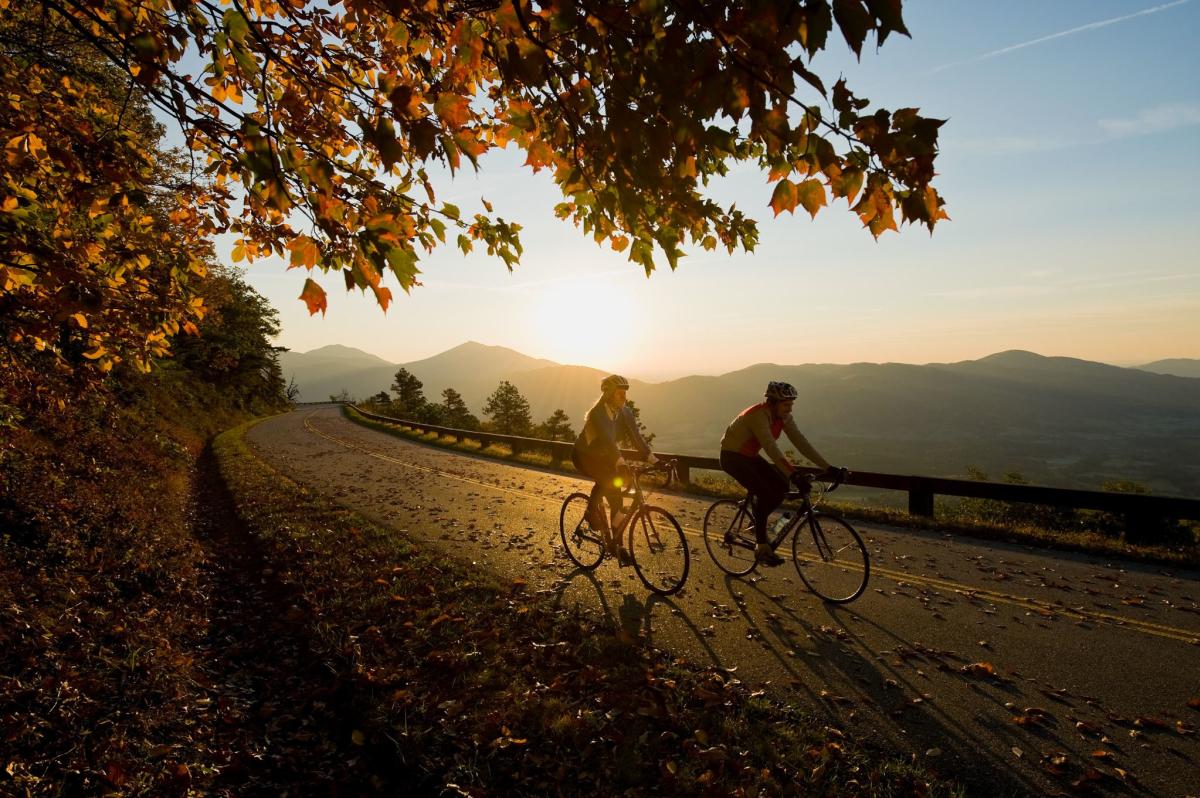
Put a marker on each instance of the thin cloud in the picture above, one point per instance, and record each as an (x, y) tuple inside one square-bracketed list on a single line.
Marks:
[(1090, 26), (1008, 145), (1158, 119)]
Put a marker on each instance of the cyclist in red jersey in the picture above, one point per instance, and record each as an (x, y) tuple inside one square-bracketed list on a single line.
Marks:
[(757, 428)]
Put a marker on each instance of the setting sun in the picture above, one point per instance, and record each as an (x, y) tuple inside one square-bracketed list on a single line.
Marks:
[(590, 322)]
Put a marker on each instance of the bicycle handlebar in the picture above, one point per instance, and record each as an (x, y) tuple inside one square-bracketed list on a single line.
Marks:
[(667, 466), (835, 478)]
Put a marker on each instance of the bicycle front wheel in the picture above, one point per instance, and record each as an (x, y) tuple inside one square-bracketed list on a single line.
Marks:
[(729, 537), (582, 543), (660, 552), (831, 559)]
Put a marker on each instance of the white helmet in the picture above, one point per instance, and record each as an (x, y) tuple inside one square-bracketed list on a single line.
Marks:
[(612, 382), (780, 391)]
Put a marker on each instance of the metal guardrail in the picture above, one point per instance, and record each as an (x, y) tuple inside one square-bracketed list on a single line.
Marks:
[(921, 490)]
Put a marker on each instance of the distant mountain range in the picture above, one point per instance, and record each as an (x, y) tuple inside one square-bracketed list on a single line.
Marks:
[(1056, 420), (1179, 366)]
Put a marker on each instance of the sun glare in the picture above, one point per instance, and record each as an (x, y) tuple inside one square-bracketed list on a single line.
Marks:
[(586, 324)]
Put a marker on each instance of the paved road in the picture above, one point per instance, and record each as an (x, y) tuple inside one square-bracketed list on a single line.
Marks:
[(1095, 660)]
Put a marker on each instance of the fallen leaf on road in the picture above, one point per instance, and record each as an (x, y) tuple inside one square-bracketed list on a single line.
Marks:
[(979, 669)]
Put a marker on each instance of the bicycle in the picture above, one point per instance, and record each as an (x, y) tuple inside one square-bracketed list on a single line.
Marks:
[(837, 566), (654, 538)]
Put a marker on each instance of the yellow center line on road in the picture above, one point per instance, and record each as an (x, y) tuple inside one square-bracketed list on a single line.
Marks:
[(968, 591), (1041, 606)]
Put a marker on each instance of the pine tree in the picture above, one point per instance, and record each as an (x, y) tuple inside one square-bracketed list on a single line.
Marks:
[(410, 397), (556, 428), (455, 412), (508, 410)]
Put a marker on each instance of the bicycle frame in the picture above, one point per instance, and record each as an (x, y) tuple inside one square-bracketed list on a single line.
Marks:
[(635, 494), (658, 532), (805, 514)]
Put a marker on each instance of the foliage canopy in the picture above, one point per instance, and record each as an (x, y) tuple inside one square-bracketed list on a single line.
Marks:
[(320, 120)]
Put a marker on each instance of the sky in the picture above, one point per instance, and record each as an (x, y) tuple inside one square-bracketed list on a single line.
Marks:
[(1069, 163)]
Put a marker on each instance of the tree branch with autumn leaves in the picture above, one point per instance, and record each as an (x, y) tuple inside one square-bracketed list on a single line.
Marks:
[(333, 113)]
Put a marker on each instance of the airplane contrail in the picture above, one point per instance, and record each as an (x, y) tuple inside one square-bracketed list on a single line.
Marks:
[(1090, 26)]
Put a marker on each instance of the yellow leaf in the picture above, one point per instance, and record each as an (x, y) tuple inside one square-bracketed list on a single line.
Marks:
[(811, 195), (96, 353), (81, 320), (10, 203), (357, 737), (784, 197)]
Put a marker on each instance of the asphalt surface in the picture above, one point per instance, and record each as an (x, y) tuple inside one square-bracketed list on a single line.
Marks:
[(1020, 670)]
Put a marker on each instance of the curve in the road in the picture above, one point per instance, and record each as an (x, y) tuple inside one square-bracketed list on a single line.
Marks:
[(969, 591)]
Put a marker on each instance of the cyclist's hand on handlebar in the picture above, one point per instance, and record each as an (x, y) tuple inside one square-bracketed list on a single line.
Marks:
[(835, 474)]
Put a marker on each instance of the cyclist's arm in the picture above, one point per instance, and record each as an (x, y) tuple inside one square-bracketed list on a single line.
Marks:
[(802, 445), (631, 432)]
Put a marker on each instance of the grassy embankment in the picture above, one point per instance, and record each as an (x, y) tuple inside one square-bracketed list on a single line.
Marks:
[(1079, 531), (102, 605)]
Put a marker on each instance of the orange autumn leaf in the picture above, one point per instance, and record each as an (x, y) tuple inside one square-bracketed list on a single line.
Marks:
[(785, 197), (979, 669), (811, 195), (314, 297)]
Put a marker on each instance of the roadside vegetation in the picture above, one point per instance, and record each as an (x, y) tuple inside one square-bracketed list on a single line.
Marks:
[(1166, 541)]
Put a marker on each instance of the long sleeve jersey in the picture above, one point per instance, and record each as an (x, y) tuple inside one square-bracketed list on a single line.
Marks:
[(603, 428), (754, 429)]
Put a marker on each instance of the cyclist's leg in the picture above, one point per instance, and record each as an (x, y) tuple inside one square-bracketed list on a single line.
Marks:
[(746, 470), (595, 514), (772, 487), (616, 503), (605, 474)]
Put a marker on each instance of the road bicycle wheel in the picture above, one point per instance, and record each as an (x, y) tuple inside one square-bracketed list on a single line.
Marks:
[(729, 537), (831, 558), (583, 544), (660, 552)]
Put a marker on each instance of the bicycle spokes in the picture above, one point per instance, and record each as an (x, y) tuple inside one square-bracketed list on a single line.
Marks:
[(660, 553), (729, 537), (581, 543), (831, 559)]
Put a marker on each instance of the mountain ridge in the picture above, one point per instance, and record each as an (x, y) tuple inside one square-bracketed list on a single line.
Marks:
[(1056, 420)]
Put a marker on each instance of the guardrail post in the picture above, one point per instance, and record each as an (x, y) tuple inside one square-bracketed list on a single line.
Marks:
[(684, 473), (516, 447), (920, 499)]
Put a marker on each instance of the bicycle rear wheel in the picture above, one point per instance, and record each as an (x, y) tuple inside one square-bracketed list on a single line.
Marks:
[(582, 543), (729, 537), (831, 559), (659, 549)]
